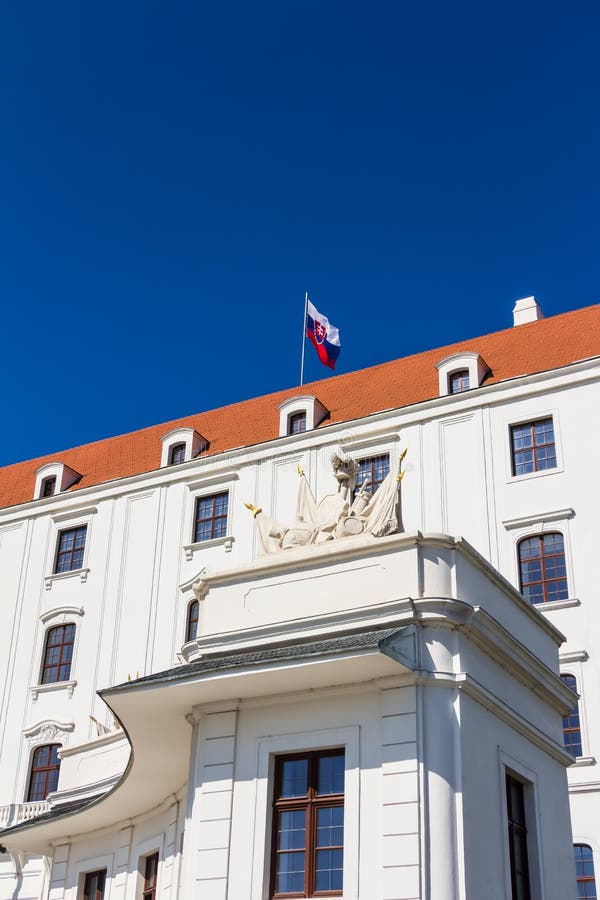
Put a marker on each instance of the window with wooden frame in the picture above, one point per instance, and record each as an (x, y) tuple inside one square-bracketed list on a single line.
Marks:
[(70, 549), (542, 568), (176, 454), (48, 486), (374, 469), (192, 621), (584, 872), (43, 774), (211, 517), (571, 722), (93, 885), (297, 423), (458, 381), (58, 654), (532, 446), (517, 839), (308, 825), (150, 877)]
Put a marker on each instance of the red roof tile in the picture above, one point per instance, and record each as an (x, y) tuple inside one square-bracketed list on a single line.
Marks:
[(534, 347)]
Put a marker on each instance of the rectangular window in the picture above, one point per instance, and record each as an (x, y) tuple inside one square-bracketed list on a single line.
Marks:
[(211, 517), (150, 877), (532, 446), (49, 486), (308, 825), (297, 423), (373, 470), (93, 886), (70, 549), (517, 839), (458, 381), (176, 454)]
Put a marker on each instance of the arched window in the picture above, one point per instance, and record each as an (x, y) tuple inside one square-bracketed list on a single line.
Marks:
[(58, 654), (542, 568), (192, 621), (584, 872), (43, 777), (571, 724)]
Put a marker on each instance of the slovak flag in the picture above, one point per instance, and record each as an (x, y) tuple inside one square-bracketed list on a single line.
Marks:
[(325, 337)]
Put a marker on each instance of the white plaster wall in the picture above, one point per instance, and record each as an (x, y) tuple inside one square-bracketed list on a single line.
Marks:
[(487, 745), (458, 478)]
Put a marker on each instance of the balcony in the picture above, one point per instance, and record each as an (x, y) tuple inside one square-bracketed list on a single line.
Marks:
[(15, 813)]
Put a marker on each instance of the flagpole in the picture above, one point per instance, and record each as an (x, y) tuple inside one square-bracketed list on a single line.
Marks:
[(303, 339)]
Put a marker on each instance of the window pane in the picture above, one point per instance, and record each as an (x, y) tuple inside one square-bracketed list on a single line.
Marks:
[(290, 873), (331, 775), (294, 782), (330, 826), (292, 830), (329, 870)]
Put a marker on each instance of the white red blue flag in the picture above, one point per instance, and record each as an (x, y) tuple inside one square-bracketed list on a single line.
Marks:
[(324, 336)]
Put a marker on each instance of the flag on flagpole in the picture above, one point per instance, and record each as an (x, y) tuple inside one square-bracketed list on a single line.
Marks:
[(324, 336)]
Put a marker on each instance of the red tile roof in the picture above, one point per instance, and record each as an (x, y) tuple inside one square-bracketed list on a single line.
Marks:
[(525, 349)]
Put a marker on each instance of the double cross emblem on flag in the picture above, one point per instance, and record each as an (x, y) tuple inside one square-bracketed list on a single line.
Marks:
[(324, 337)]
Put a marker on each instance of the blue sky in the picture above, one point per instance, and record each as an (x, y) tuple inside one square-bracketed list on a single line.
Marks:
[(175, 176)]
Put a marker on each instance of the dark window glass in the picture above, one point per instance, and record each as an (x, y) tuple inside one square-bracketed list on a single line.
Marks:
[(308, 825), (532, 446), (43, 777), (150, 877), (584, 872), (542, 568), (70, 549), (192, 620), (49, 486), (374, 470), (58, 654), (571, 723), (297, 423), (517, 839), (211, 517), (458, 381), (176, 454), (93, 886)]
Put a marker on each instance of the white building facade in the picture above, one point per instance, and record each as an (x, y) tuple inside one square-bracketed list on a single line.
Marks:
[(359, 712)]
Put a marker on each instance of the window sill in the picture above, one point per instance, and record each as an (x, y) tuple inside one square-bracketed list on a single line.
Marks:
[(37, 689), (516, 479), (82, 574), (558, 604), (190, 549), (585, 761)]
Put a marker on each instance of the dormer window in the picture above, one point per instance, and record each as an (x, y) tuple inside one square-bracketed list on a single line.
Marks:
[(300, 414), (48, 486), (297, 423), (181, 445), (176, 454), (461, 372), (54, 478), (458, 381)]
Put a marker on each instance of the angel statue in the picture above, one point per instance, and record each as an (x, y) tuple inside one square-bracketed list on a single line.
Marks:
[(348, 512)]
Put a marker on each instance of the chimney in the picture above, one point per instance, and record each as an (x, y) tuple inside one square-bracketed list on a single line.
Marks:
[(527, 310)]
